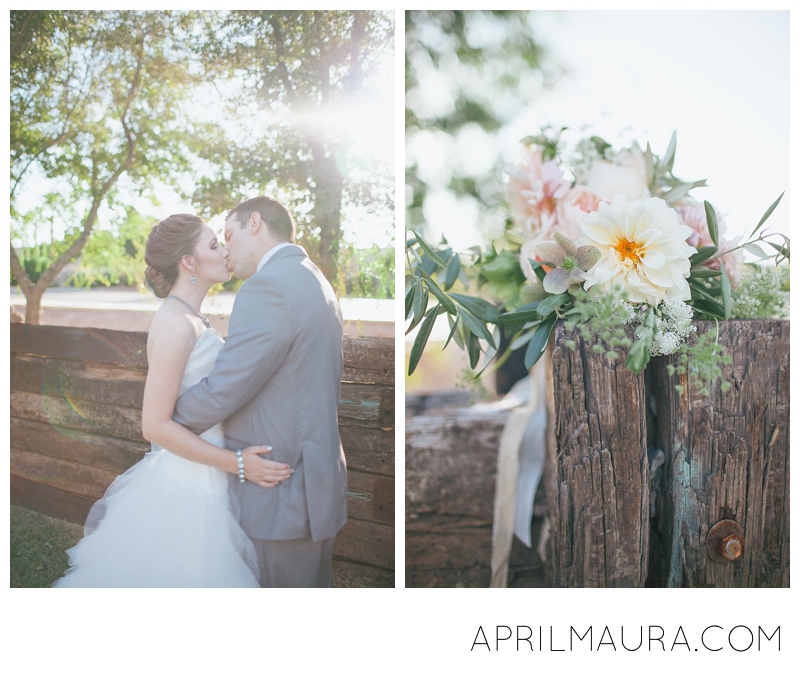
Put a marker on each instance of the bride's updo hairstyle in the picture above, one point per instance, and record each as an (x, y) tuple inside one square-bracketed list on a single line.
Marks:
[(169, 241)]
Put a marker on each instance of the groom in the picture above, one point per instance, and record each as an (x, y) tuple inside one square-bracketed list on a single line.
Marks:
[(276, 382)]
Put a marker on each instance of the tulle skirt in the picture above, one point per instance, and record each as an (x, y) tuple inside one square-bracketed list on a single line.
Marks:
[(166, 522)]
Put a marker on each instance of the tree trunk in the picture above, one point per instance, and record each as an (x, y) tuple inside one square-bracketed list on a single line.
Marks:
[(596, 470), (33, 306), (727, 458), (327, 216)]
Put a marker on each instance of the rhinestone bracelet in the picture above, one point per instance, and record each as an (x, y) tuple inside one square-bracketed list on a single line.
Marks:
[(240, 464)]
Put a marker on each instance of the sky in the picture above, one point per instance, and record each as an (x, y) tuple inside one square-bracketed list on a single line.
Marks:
[(720, 79), (369, 121)]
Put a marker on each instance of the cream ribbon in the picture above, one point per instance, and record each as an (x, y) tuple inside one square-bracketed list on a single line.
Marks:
[(520, 462)]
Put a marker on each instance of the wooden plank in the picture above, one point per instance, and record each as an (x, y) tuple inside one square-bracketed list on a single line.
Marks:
[(98, 382), (367, 406), (366, 542), (451, 463), (112, 454), (82, 344), (370, 497), (727, 458), (368, 360), (369, 450), (448, 551), (597, 472), (366, 449), (60, 474), (354, 575), (78, 415), (49, 500)]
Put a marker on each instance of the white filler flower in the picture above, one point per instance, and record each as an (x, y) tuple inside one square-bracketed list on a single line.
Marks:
[(643, 250)]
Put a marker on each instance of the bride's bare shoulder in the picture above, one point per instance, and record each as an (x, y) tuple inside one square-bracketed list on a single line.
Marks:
[(171, 327)]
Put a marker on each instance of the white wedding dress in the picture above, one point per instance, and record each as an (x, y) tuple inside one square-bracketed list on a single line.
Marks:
[(167, 521)]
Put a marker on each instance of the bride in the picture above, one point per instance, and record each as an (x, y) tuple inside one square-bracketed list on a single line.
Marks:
[(169, 521)]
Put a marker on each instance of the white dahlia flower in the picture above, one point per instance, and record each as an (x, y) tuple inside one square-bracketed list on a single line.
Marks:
[(643, 250)]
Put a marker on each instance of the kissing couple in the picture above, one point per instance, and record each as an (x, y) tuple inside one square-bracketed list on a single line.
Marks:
[(246, 483)]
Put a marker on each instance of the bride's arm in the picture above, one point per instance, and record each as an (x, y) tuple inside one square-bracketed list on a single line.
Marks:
[(170, 343)]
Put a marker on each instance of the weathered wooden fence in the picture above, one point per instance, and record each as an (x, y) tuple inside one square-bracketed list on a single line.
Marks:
[(645, 486), (451, 464), (76, 399), (712, 509)]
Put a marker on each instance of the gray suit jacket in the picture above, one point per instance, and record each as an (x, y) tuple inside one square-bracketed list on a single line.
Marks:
[(276, 382)]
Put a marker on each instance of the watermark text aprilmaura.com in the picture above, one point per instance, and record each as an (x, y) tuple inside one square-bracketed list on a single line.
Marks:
[(712, 638)]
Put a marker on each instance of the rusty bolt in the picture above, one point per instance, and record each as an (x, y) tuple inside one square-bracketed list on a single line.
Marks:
[(725, 541), (731, 547)]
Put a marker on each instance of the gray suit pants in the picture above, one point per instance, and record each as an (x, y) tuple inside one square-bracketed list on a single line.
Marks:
[(294, 563)]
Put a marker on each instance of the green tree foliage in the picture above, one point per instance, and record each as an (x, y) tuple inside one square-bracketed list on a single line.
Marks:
[(367, 272), (467, 74), (115, 258), (95, 100), (291, 74)]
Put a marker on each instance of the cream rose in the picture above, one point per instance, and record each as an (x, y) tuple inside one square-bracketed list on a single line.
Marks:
[(609, 180)]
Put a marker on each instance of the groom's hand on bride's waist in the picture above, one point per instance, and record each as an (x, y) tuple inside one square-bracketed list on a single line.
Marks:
[(264, 472)]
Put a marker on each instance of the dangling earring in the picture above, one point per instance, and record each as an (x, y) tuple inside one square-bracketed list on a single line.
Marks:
[(193, 279)]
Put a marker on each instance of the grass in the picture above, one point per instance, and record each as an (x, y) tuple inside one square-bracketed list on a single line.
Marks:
[(38, 548)]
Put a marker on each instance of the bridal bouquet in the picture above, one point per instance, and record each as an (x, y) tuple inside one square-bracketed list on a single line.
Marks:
[(607, 240)]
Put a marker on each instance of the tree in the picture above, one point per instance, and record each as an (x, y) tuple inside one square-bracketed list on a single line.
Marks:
[(467, 74), (95, 101), (298, 71)]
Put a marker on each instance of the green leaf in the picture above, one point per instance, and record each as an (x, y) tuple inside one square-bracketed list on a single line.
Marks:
[(669, 155), (453, 326), (711, 220), (705, 308), (491, 351), (680, 190), (649, 165), (444, 300), (410, 297), (428, 250), (755, 250), (522, 315), (523, 338), (476, 326), (453, 269), (457, 331), (767, 214), (420, 302), (473, 350), (537, 269), (703, 272), (552, 303), (780, 248), (708, 303), (726, 292), (422, 338), (479, 307), (703, 254), (539, 341), (639, 354)]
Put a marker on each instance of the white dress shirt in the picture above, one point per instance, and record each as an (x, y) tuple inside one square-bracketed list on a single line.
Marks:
[(269, 254)]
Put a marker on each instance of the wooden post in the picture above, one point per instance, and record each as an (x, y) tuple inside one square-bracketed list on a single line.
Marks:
[(597, 472), (727, 458)]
